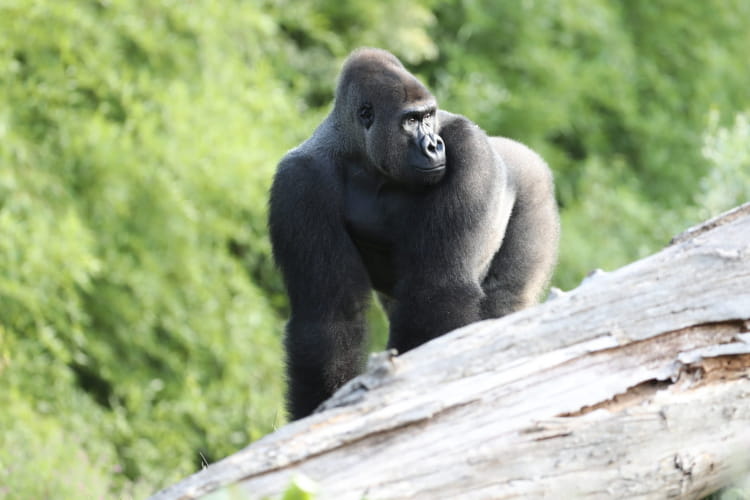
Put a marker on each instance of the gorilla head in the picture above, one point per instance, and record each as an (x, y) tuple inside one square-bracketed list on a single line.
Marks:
[(390, 117)]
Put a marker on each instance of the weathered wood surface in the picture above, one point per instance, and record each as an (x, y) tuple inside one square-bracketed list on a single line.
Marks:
[(634, 385)]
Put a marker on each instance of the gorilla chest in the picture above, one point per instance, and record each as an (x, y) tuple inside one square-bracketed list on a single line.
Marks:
[(370, 226)]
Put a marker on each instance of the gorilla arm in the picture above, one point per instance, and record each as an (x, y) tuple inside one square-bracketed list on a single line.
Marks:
[(328, 286), (523, 265)]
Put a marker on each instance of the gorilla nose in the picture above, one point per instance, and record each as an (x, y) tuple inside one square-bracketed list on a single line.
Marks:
[(434, 148)]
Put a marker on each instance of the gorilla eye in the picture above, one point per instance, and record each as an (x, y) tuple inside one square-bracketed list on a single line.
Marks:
[(411, 121), (365, 115)]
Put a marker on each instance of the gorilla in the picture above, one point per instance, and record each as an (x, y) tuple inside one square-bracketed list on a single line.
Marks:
[(448, 225)]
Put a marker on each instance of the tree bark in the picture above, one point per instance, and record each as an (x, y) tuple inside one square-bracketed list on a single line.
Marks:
[(634, 385)]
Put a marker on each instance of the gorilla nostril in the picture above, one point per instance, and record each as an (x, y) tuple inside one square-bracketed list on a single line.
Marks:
[(433, 146), (437, 147)]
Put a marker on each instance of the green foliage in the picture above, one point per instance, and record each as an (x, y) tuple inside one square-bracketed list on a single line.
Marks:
[(612, 225), (132, 207), (46, 457), (302, 488), (740, 490), (732, 494), (140, 312), (728, 182)]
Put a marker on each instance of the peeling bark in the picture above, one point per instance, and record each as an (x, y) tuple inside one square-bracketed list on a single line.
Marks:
[(634, 385)]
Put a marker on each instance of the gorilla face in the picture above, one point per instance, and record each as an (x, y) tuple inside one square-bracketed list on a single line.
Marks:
[(397, 116), (403, 143), (425, 153)]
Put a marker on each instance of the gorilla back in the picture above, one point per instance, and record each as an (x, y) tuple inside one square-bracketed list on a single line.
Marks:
[(449, 225)]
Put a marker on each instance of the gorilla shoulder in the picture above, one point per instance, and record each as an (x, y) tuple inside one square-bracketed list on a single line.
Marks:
[(527, 170)]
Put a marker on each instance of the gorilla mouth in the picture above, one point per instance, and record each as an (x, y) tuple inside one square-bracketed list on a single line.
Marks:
[(431, 170), (430, 175)]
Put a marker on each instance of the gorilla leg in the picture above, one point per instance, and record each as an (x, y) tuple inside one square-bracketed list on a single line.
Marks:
[(427, 312), (522, 267)]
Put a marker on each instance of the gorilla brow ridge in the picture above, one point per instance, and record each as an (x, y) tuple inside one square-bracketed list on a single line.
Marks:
[(375, 65)]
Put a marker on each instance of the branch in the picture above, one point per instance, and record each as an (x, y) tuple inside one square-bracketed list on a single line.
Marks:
[(635, 384)]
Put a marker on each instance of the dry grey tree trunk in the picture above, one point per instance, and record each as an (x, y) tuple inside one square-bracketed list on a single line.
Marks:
[(634, 385)]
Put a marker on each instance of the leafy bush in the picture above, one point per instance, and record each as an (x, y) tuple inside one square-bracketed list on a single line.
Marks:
[(132, 202), (727, 184), (140, 313)]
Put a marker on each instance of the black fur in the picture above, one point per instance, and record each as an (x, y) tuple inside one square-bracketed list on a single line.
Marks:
[(448, 225)]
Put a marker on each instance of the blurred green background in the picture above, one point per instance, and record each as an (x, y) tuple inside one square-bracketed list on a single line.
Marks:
[(140, 311)]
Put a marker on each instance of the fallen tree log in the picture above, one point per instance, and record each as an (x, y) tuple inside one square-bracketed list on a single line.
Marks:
[(634, 385)]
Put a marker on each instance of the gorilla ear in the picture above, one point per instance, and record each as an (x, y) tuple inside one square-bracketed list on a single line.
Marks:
[(365, 115)]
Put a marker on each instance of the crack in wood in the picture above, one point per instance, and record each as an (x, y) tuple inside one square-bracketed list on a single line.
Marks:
[(715, 356), (633, 396), (723, 368)]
